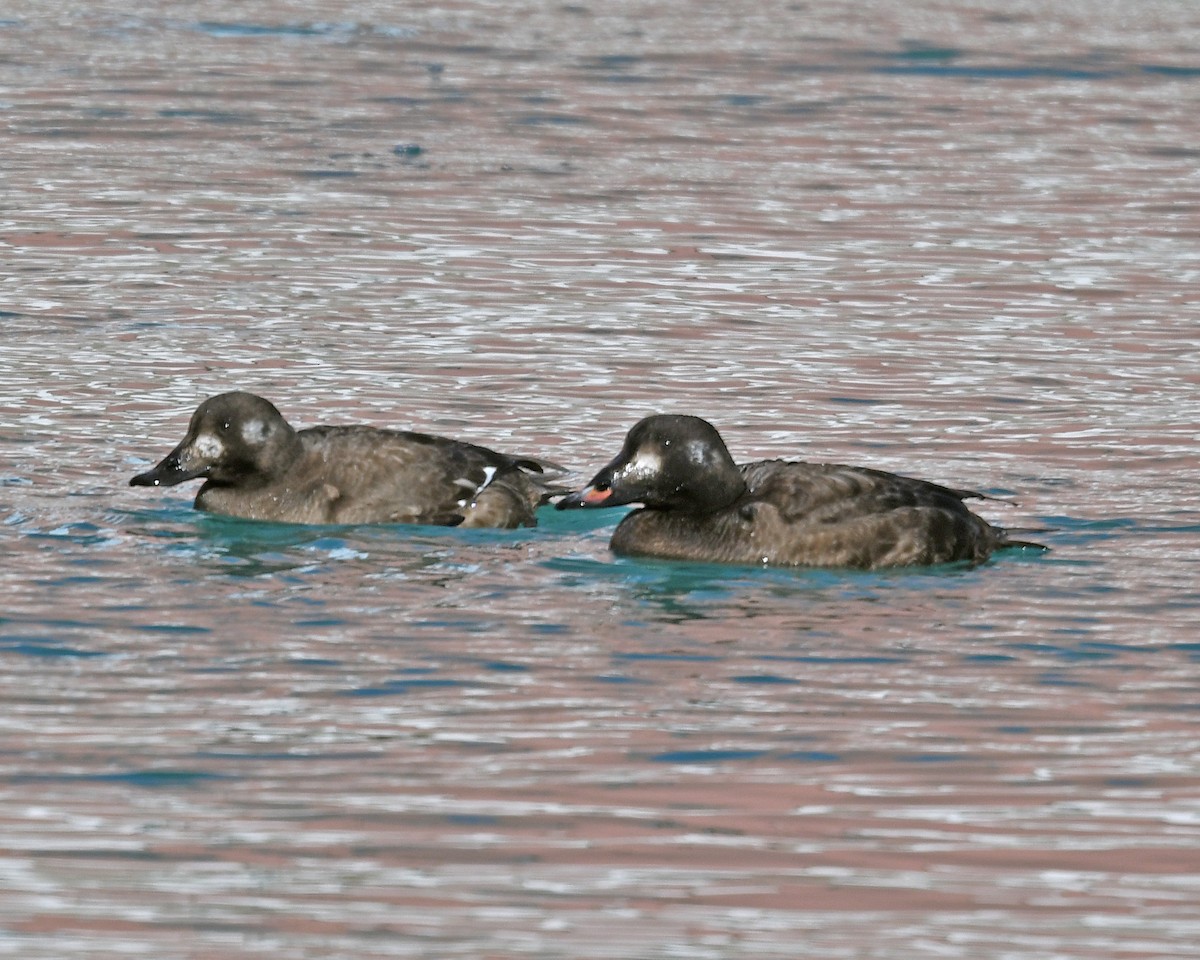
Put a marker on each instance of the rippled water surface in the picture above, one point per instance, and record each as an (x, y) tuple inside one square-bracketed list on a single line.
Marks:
[(959, 240)]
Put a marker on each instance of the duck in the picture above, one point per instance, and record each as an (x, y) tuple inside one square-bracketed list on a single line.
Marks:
[(256, 466), (697, 504)]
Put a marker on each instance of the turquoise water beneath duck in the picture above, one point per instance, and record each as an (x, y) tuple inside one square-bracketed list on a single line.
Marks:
[(957, 241)]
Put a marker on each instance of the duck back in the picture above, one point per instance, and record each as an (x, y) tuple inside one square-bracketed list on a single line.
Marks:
[(364, 474), (819, 515)]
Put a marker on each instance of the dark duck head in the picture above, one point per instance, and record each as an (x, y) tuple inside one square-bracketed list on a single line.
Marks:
[(667, 463), (233, 439)]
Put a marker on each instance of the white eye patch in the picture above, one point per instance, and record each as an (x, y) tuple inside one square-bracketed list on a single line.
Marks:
[(254, 431), (645, 463), (208, 447)]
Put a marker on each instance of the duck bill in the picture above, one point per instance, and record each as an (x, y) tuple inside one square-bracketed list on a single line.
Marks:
[(175, 467), (590, 496)]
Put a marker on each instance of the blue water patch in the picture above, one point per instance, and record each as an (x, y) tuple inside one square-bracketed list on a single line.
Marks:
[(1014, 72), (155, 779), (472, 819), (1164, 70), (171, 629), (676, 578), (148, 779), (581, 521), (400, 687), (169, 511), (858, 401), (40, 647), (1099, 649), (1081, 652), (455, 624), (825, 658), (548, 119), (325, 174), (1071, 530), (81, 531), (812, 756), (764, 678), (249, 548), (613, 61), (668, 657), (948, 62), (77, 579), (219, 28), (919, 51), (705, 756), (1056, 678), (746, 99), (617, 68), (501, 666), (931, 757), (107, 113)]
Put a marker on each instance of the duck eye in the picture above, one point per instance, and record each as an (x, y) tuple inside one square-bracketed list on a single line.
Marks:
[(225, 427)]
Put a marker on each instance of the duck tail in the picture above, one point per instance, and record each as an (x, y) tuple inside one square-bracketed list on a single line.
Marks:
[(536, 465), (977, 495), (1007, 541)]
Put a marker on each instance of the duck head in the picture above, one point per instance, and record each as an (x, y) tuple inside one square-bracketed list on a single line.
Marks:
[(232, 438), (667, 463)]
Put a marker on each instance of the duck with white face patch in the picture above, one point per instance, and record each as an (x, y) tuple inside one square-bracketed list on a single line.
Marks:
[(255, 465), (696, 503)]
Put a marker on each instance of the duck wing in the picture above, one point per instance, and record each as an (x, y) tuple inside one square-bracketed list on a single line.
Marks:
[(392, 476), (830, 493)]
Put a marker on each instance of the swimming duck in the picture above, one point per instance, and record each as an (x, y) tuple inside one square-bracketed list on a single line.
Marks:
[(255, 465), (697, 504)]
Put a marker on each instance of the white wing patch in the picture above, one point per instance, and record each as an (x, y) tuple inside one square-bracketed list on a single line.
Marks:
[(489, 474)]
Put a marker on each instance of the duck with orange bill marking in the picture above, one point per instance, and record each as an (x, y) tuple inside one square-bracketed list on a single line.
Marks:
[(696, 503), (255, 465)]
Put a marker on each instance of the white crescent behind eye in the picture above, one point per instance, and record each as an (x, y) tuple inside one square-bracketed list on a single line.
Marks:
[(254, 431)]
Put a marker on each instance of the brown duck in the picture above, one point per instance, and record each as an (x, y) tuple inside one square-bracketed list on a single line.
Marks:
[(697, 504), (255, 465)]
